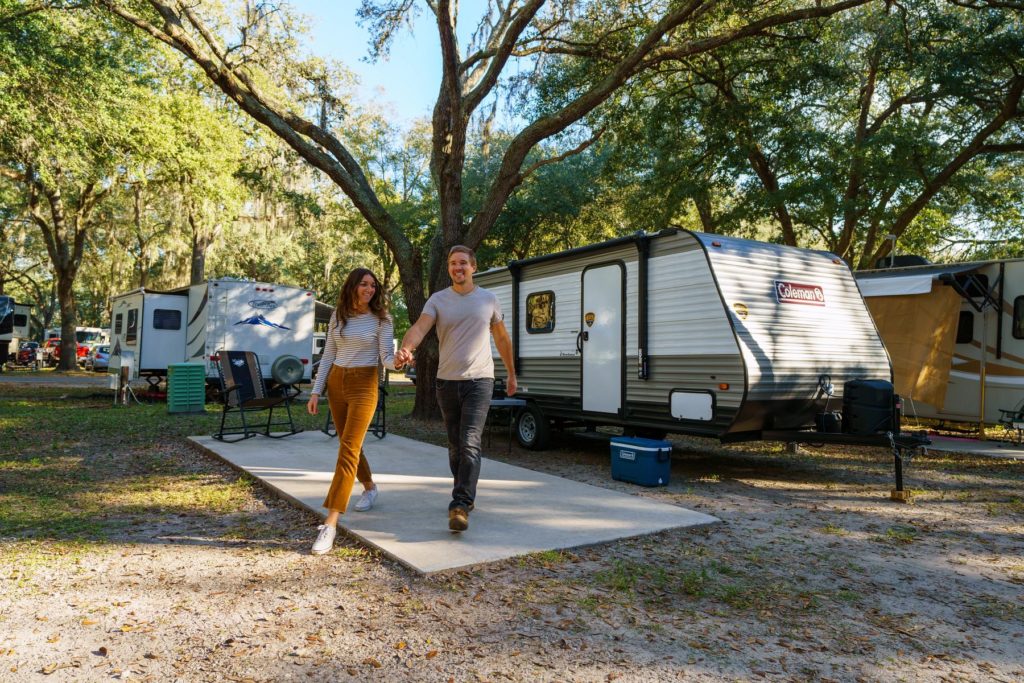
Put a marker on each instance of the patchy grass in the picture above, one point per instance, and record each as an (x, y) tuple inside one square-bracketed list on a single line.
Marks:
[(76, 468)]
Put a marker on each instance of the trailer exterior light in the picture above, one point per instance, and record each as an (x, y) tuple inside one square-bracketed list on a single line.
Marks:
[(716, 243), (215, 358), (723, 387), (305, 361)]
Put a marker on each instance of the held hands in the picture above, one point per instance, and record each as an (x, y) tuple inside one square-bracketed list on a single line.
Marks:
[(402, 358), (311, 405)]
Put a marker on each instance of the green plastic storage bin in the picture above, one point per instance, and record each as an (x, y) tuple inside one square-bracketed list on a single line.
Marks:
[(186, 388)]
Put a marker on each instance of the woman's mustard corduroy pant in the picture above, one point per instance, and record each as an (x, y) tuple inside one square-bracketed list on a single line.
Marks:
[(352, 395)]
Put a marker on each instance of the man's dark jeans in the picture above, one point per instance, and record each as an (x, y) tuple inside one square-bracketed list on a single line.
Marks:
[(464, 405)]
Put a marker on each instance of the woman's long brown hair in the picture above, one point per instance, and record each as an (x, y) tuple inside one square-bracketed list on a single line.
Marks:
[(348, 297)]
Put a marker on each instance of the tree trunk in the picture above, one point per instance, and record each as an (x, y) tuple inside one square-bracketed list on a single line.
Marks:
[(68, 318), (426, 407)]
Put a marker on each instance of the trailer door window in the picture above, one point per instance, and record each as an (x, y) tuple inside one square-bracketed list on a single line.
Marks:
[(118, 323), (166, 319), (1018, 318), (965, 328), (133, 326), (540, 312)]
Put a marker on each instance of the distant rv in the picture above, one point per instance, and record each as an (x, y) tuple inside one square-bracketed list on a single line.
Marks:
[(14, 326), (193, 324), (945, 325)]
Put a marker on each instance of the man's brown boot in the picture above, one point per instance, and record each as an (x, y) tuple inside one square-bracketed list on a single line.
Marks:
[(458, 519)]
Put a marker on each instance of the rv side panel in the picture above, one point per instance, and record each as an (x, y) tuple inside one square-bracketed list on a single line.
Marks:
[(161, 332), (799, 317)]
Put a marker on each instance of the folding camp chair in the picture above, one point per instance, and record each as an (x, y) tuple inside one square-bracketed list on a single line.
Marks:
[(243, 391), (379, 425), (1014, 419)]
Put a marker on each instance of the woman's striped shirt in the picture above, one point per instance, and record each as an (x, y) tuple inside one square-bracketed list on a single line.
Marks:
[(364, 339)]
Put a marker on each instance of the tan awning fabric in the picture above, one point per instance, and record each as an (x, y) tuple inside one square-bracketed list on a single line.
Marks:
[(919, 332)]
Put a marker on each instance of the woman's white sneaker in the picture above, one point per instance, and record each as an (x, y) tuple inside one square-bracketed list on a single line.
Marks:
[(324, 539), (366, 500)]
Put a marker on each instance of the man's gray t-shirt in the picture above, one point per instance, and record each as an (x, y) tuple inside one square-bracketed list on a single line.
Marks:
[(463, 323)]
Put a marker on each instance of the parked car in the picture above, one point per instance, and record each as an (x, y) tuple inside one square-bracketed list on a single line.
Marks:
[(26, 353), (98, 359), (48, 350), (54, 356)]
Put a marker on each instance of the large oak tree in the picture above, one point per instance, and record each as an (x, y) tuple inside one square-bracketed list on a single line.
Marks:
[(294, 100)]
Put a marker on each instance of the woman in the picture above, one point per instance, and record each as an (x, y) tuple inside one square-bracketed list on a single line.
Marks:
[(360, 334)]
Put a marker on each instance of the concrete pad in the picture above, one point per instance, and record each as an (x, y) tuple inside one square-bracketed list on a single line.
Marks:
[(518, 511), (992, 449)]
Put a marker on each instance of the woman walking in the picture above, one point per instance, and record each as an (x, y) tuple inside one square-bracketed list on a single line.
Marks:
[(360, 334)]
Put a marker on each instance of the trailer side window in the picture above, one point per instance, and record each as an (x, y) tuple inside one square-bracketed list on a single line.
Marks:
[(1018, 318), (965, 328), (540, 312), (20, 320), (118, 323), (166, 319), (133, 326)]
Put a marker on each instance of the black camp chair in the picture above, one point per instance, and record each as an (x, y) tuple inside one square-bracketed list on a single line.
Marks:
[(379, 426), (243, 391), (1014, 419)]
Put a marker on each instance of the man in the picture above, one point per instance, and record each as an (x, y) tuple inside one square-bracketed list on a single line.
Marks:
[(466, 317)]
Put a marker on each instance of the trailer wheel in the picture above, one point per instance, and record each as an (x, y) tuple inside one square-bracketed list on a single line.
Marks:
[(532, 428)]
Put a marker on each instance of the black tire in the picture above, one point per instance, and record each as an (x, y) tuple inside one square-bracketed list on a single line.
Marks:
[(532, 428)]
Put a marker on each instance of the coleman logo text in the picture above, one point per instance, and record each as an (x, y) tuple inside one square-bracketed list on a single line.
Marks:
[(797, 293)]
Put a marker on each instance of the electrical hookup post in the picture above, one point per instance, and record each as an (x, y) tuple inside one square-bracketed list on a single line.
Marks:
[(122, 370)]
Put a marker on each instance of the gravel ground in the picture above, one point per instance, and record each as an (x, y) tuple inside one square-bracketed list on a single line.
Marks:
[(815, 575)]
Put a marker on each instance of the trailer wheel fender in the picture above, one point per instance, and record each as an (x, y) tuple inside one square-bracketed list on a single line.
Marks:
[(533, 430)]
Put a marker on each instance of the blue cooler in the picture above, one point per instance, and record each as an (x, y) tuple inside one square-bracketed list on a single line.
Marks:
[(641, 461)]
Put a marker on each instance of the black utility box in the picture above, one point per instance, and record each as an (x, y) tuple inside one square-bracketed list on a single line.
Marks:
[(868, 407)]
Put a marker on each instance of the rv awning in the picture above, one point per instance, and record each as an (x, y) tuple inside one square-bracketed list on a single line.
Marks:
[(902, 283)]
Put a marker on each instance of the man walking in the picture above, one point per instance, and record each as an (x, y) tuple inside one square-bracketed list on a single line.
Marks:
[(466, 317)]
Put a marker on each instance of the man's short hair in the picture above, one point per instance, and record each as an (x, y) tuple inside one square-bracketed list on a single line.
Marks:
[(465, 250)]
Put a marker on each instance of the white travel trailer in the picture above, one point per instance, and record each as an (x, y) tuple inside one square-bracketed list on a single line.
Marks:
[(14, 326), (946, 327), (692, 333), (191, 324)]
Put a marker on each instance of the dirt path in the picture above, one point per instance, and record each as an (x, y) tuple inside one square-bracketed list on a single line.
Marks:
[(814, 576)]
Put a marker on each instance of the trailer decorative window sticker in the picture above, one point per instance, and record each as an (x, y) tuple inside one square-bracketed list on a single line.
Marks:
[(540, 312), (799, 293), (260, 320), (262, 305)]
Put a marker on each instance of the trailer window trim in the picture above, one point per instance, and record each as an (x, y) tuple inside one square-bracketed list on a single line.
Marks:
[(131, 333), (1018, 318), (546, 306), (166, 319), (965, 328)]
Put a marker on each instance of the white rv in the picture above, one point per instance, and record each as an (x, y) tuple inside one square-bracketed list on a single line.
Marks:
[(14, 326), (192, 324), (686, 332), (948, 325)]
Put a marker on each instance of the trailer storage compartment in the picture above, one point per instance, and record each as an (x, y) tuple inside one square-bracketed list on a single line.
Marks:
[(868, 406), (641, 461)]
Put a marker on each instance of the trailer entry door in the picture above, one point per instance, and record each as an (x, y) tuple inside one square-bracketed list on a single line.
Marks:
[(601, 333)]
